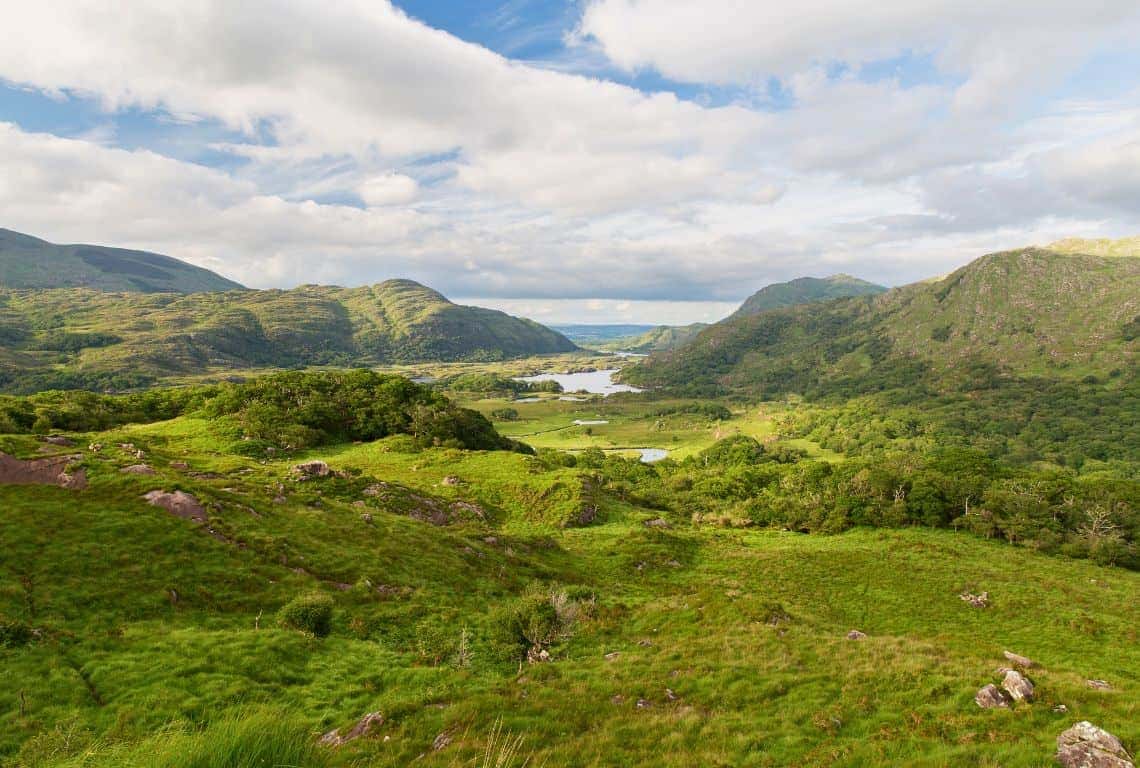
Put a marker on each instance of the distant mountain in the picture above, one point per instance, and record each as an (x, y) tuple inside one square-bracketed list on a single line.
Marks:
[(593, 334), (804, 290), (1056, 314), (657, 339), (79, 338), (28, 262)]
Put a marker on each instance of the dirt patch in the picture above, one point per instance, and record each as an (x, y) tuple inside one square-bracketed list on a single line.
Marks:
[(52, 470)]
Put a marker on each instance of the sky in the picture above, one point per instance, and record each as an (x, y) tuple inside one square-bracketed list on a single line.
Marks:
[(650, 161)]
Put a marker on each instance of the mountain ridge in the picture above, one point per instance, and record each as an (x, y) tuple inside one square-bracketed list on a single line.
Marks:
[(33, 263)]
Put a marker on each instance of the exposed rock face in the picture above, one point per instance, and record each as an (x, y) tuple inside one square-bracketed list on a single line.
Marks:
[(856, 635), (179, 504), (50, 471), (1099, 685), (1019, 661), (990, 697), (364, 727), (59, 440), (137, 469), (658, 522), (1017, 686), (449, 480), (313, 469), (1086, 746)]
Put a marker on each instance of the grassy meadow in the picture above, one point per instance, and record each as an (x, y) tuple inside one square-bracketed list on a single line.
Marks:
[(157, 640)]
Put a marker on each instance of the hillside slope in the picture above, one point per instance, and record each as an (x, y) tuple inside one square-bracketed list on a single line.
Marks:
[(84, 338), (1030, 312), (804, 290), (28, 262)]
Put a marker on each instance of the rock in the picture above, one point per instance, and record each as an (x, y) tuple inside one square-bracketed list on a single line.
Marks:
[(645, 643), (1019, 661), (612, 655), (363, 727), (490, 540), (617, 698), (179, 465), (537, 655), (643, 704), (313, 469), (856, 635), (59, 440), (1060, 709), (358, 504), (990, 697), (1099, 685), (449, 480), (1086, 746), (137, 469), (658, 522), (366, 518), (95, 447), (179, 504), (1017, 686), (441, 741), (670, 695), (53, 470), (977, 601)]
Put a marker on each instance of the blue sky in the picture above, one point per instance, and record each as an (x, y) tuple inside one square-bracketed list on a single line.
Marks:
[(624, 160)]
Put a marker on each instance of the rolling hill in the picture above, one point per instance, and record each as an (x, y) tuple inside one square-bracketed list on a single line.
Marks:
[(1030, 312), (28, 262), (804, 290), (81, 338)]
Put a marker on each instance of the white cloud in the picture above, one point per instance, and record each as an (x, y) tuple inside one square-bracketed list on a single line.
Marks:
[(388, 189), (488, 177)]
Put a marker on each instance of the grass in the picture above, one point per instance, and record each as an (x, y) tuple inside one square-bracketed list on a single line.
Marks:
[(158, 643)]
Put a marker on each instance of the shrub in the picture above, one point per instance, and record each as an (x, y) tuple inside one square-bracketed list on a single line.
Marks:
[(14, 633), (310, 613)]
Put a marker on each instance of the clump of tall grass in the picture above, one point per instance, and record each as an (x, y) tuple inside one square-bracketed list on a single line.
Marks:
[(258, 738)]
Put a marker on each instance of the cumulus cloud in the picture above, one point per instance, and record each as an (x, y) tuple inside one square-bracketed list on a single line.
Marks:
[(362, 144)]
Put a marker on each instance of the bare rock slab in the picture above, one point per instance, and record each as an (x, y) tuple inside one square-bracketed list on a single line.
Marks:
[(364, 727), (1019, 661), (1087, 746), (179, 504)]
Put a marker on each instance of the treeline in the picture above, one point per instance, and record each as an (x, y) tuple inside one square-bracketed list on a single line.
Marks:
[(491, 383), (738, 481), (286, 411)]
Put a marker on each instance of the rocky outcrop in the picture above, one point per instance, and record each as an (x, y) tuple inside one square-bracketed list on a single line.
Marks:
[(1017, 686), (179, 504), (54, 470), (856, 635), (138, 469), (991, 697), (1087, 746), (1019, 661), (312, 469), (977, 601), (364, 727)]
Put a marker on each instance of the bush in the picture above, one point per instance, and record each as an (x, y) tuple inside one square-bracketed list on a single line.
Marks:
[(310, 613), (14, 633), (537, 619)]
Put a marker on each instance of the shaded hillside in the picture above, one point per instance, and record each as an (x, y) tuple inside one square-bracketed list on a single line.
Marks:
[(84, 338), (804, 290), (1030, 312), (28, 262)]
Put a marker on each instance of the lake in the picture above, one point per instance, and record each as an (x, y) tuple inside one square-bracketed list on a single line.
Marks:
[(595, 382)]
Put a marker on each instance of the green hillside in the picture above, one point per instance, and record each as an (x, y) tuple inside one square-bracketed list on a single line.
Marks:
[(237, 575), (1030, 312), (28, 262), (90, 339), (804, 290)]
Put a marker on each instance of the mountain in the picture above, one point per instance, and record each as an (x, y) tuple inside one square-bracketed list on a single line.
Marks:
[(596, 335), (804, 290), (28, 262), (658, 339), (80, 338), (1029, 312)]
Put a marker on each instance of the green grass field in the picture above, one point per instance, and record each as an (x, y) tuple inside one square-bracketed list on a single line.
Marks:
[(157, 642)]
